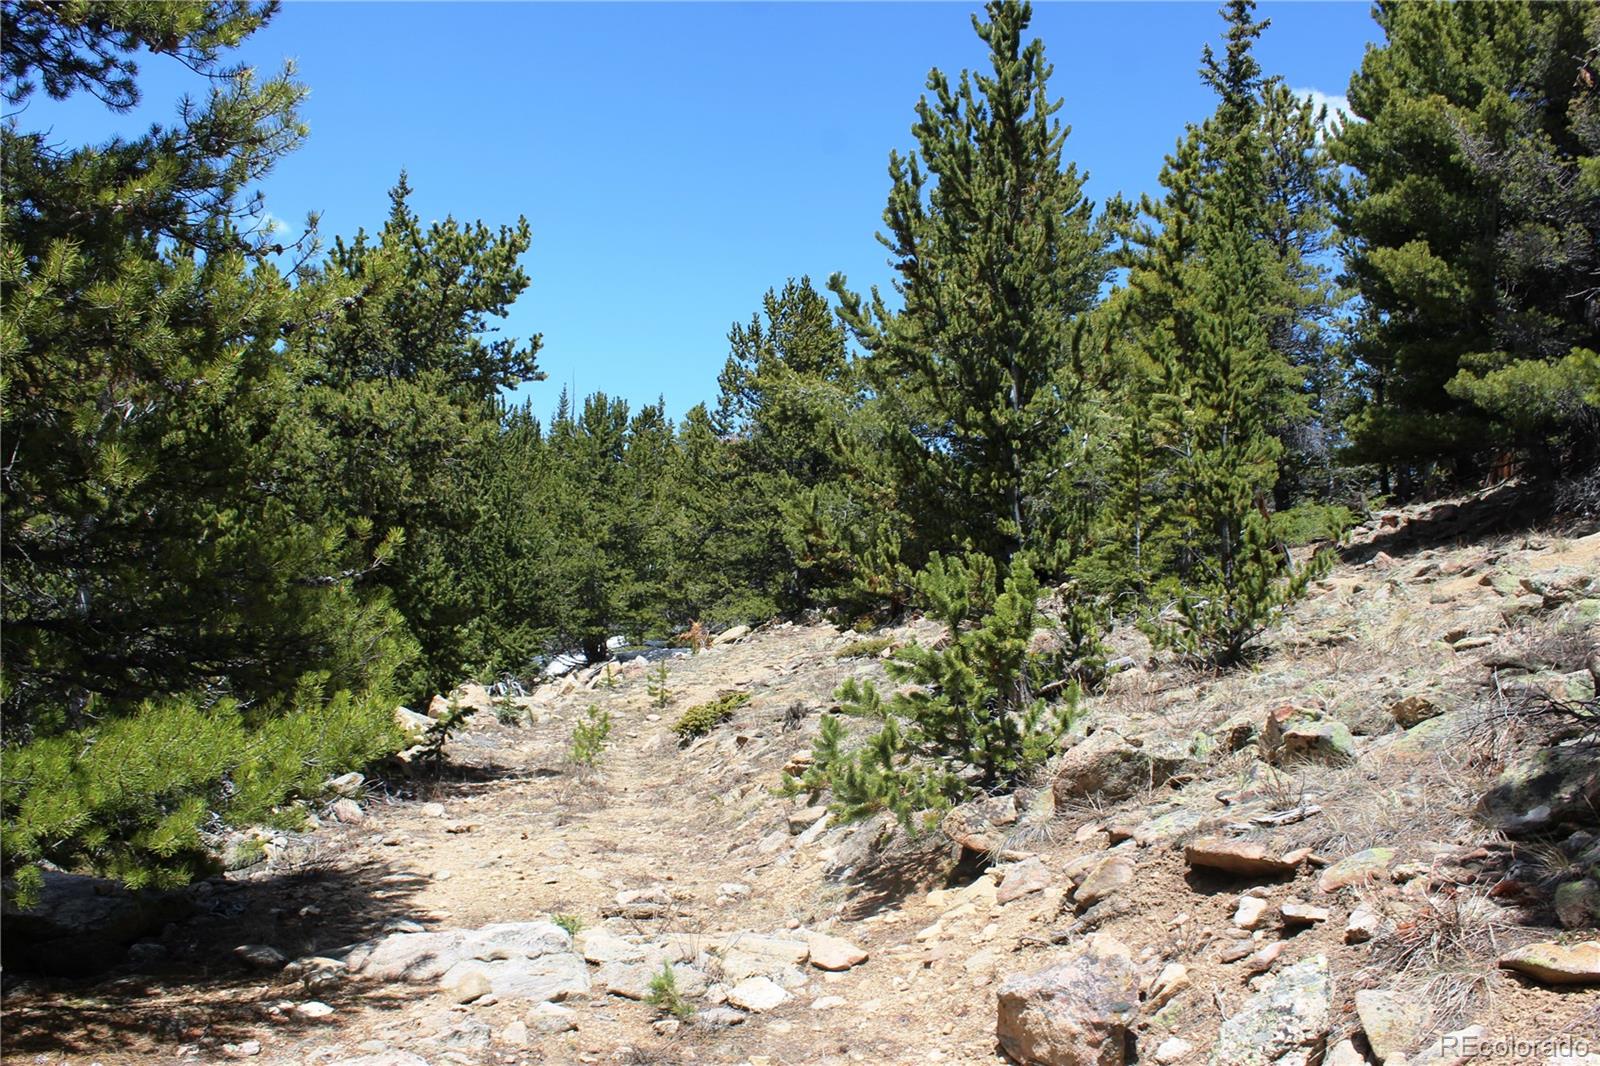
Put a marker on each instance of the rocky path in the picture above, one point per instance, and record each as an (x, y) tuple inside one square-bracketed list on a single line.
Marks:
[(1288, 864)]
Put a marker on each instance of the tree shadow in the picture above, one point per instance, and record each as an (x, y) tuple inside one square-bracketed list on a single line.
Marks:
[(188, 985)]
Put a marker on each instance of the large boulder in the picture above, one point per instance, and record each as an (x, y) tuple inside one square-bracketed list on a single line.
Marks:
[(1075, 1012), (1546, 788), (1291, 1016), (428, 956), (1109, 766)]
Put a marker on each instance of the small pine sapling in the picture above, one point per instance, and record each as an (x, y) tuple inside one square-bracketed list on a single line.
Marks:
[(664, 995), (608, 678), (969, 720), (589, 737), (571, 924), (656, 685)]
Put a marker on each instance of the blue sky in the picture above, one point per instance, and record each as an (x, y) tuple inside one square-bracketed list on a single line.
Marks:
[(677, 160)]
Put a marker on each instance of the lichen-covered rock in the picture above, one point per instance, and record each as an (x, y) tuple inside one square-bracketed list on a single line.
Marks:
[(1357, 869), (1110, 766), (980, 826), (1242, 858), (1557, 964), (1303, 734), (1577, 904), (1291, 1016), (1073, 1013), (1545, 788)]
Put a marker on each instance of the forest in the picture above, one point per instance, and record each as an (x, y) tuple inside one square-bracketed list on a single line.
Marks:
[(259, 491)]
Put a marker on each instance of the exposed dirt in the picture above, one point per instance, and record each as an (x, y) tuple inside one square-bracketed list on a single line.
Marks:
[(521, 837)]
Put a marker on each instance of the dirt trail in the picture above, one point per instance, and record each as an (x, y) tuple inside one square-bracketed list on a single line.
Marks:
[(510, 834)]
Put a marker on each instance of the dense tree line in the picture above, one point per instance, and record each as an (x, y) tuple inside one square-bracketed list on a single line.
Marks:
[(256, 495)]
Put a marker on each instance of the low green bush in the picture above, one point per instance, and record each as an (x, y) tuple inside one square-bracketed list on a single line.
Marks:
[(702, 718)]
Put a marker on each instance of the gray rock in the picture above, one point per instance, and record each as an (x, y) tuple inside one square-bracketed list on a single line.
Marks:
[(1073, 1013), (980, 825), (1023, 878), (1392, 1022), (1110, 767), (80, 925), (757, 994), (1563, 780), (547, 978), (260, 956), (427, 956), (719, 1017), (1302, 734), (1291, 1016)]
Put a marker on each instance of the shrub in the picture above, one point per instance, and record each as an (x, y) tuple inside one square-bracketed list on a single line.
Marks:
[(508, 712), (704, 717), (664, 995), (569, 922), (589, 738), (866, 648), (970, 721)]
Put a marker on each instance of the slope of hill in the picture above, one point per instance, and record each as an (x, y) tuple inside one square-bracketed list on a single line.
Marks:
[(1377, 843)]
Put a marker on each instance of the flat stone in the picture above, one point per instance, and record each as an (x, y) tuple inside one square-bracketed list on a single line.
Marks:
[(1391, 1021), (601, 946), (1239, 857), (827, 1002), (260, 956), (1171, 981), (1344, 1053), (465, 984), (548, 978), (718, 1017), (313, 1009), (1414, 710), (757, 994), (552, 1018), (1358, 869), (1264, 959), (801, 820), (1557, 964), (980, 825), (1299, 912), (1022, 879), (834, 953), (1362, 926)]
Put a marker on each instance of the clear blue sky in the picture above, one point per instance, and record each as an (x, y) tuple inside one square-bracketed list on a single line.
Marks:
[(677, 160)]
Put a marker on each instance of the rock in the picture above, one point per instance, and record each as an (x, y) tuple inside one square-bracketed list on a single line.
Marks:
[(414, 726), (1344, 1053), (515, 1034), (427, 956), (801, 820), (390, 1057), (1414, 710), (1564, 780), (1298, 912), (552, 1018), (438, 708), (1289, 1017), (1362, 926), (1238, 732), (718, 1017), (601, 946), (346, 784), (1557, 964), (1172, 980), (1073, 1013), (1023, 878), (728, 636), (1112, 873), (1173, 1049), (472, 697), (980, 825), (653, 894), (1358, 869), (1391, 1021), (757, 994), (1577, 905), (260, 956), (1234, 950), (244, 1050), (1303, 734), (1110, 767), (1451, 1049), (633, 980), (433, 810), (313, 1010), (465, 984), (1252, 911), (1264, 959), (1238, 857), (347, 812), (146, 955), (666, 1026), (834, 953), (827, 1002), (80, 925)]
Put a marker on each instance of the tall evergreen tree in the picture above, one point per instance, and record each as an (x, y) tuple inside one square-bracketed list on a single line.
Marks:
[(1470, 232), (183, 640), (998, 260)]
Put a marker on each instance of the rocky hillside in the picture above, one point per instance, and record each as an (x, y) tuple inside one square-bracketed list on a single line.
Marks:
[(1378, 844)]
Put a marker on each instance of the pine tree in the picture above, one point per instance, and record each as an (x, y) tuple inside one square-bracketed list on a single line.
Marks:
[(1470, 232), (185, 644), (998, 259), (970, 718), (1223, 387)]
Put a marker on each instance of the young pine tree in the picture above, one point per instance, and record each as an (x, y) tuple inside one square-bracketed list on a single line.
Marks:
[(970, 720)]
